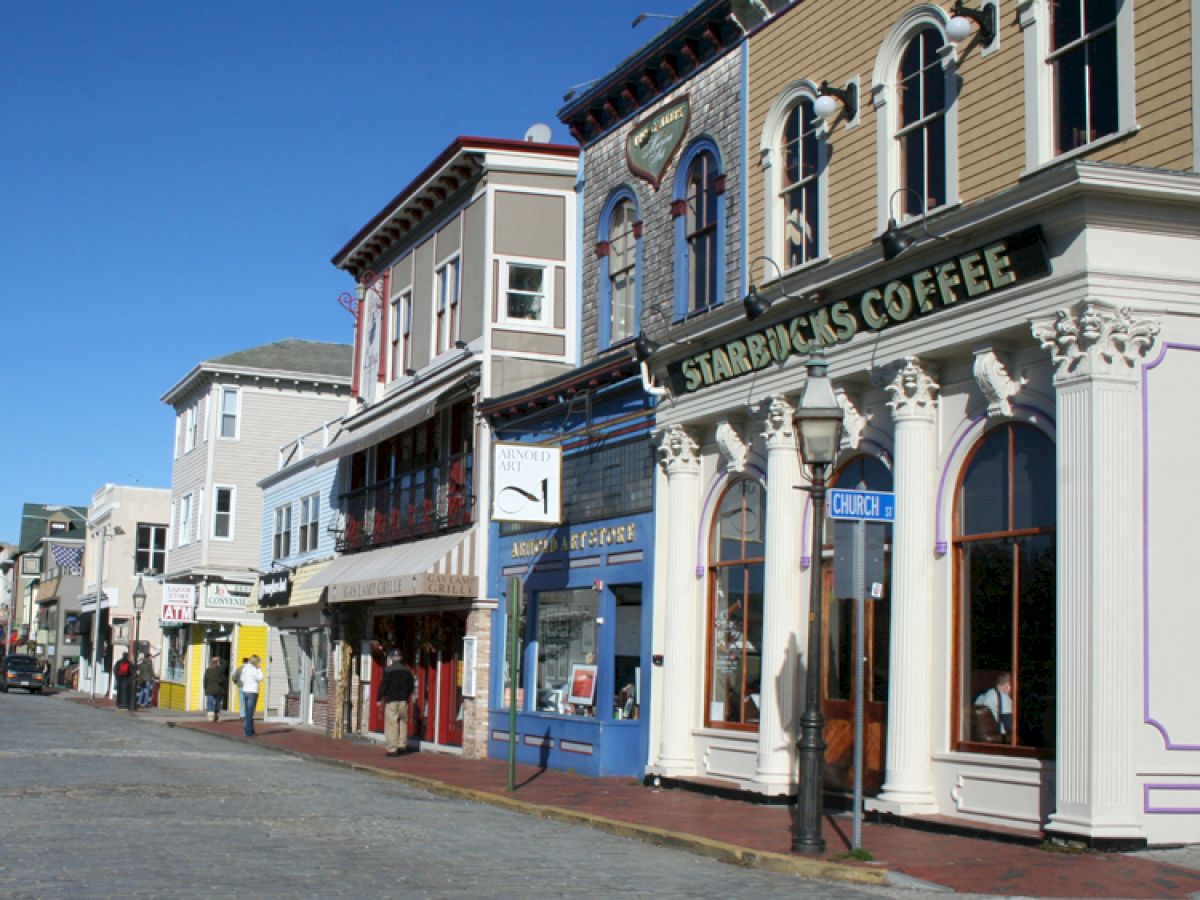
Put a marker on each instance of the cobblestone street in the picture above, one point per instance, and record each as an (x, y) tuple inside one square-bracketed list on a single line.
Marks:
[(93, 803)]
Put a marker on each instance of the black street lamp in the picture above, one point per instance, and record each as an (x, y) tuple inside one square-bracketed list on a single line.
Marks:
[(819, 422), (139, 604)]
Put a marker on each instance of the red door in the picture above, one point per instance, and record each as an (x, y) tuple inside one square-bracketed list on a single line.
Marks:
[(437, 713)]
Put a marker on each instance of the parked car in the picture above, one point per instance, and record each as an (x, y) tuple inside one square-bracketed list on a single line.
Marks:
[(23, 671)]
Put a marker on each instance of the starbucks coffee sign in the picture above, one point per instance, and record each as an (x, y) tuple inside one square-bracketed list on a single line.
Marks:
[(654, 142)]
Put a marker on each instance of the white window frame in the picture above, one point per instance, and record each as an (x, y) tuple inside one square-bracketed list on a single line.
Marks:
[(546, 320), (400, 323), (1040, 110), (237, 413), (178, 434), (186, 504), (152, 530), (216, 512), (189, 429), (887, 67), (771, 156), (310, 517), (447, 304), (283, 531)]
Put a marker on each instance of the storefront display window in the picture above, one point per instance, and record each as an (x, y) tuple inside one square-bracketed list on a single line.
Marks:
[(567, 647), (1005, 556), (177, 644), (627, 665), (736, 607)]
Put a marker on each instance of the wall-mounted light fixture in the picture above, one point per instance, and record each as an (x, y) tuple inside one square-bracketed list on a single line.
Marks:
[(410, 372), (643, 349), (830, 99), (460, 344), (962, 19), (755, 304), (642, 17), (895, 240)]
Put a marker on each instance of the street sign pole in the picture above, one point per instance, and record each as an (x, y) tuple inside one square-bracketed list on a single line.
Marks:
[(860, 653), (514, 616)]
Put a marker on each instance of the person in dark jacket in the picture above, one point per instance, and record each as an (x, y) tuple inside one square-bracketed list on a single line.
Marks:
[(124, 672), (395, 691), (214, 688)]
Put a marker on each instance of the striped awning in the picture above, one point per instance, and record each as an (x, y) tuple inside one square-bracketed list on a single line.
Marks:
[(439, 566)]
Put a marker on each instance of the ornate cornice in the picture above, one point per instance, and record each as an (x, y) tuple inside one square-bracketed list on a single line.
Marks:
[(678, 454), (991, 374), (1095, 339), (854, 423), (733, 449), (779, 425), (913, 389)]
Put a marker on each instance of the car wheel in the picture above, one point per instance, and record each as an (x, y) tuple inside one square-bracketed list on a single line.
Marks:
[(35, 690)]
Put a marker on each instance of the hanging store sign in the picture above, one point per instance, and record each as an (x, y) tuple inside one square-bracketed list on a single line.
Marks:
[(226, 596), (274, 590), (654, 142), (526, 483), (424, 584), (977, 273), (178, 603)]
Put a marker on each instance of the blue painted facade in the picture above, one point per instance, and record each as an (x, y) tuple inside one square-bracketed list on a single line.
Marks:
[(289, 487), (598, 564)]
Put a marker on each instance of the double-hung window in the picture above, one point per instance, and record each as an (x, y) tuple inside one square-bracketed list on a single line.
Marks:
[(448, 289), (799, 185), (622, 272), (525, 297), (189, 428), (921, 123), (310, 514), (230, 410), (222, 513), (185, 520), (701, 232), (1083, 57), (281, 546), (151, 552), (401, 324)]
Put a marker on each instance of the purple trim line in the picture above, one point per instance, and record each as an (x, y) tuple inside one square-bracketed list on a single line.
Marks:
[(940, 544), (707, 506), (1185, 810), (1147, 718)]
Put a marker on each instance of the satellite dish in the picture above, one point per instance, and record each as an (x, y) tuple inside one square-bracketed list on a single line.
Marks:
[(538, 133)]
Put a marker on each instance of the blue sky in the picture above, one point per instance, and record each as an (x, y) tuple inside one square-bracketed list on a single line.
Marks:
[(175, 176)]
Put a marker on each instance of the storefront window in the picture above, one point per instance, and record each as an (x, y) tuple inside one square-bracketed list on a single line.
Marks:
[(177, 644), (1005, 556), (320, 657), (736, 607), (628, 663), (567, 631)]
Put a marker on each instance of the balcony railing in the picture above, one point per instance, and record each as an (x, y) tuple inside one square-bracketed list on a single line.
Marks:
[(416, 503)]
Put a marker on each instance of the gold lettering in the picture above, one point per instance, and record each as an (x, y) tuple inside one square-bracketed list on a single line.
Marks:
[(691, 375), (973, 275), (706, 368), (947, 279), (760, 357), (823, 332), (897, 298), (874, 318), (799, 341), (923, 288), (999, 266), (840, 313), (779, 343), (739, 357), (721, 368)]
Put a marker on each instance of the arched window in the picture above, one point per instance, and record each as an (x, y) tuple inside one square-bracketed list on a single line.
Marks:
[(800, 185), (620, 235), (1004, 549), (922, 100), (736, 607), (699, 211)]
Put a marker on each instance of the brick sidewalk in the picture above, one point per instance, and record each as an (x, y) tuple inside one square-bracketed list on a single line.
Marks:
[(749, 834)]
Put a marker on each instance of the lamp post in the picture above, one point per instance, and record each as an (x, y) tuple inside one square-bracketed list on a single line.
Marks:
[(139, 604), (819, 422)]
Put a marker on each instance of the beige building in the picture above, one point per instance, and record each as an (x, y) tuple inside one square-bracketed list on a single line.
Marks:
[(232, 414), (126, 544), (466, 290)]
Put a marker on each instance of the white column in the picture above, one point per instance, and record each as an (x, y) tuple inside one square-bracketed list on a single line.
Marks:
[(908, 785), (783, 633), (680, 459), (1098, 412)]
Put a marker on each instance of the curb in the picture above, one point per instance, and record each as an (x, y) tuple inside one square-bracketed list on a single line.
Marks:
[(721, 851)]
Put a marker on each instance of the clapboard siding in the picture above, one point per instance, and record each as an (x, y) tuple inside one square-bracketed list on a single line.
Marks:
[(289, 491)]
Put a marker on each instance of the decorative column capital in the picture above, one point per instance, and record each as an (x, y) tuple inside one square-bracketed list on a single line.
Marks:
[(1095, 339), (994, 382), (913, 389), (779, 426), (733, 449), (854, 423), (678, 453)]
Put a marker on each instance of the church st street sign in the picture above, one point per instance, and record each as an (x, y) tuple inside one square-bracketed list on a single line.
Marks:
[(976, 273)]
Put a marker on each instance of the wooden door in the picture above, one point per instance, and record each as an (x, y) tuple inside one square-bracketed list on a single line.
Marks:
[(839, 686)]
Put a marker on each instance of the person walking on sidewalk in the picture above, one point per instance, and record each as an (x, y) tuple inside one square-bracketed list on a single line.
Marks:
[(395, 690), (145, 680), (250, 678), (214, 688), (124, 672)]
